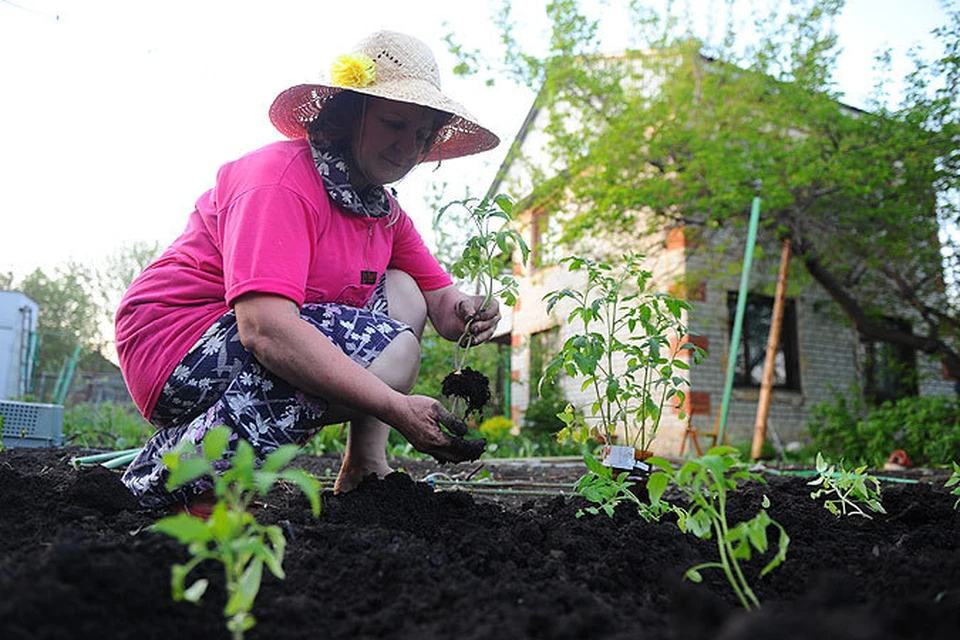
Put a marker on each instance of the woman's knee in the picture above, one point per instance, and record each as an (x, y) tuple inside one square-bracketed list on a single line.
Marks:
[(405, 300), (399, 364)]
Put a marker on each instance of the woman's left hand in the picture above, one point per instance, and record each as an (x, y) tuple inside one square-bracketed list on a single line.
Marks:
[(481, 320)]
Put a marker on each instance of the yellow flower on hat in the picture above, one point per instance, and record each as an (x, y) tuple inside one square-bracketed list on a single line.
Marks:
[(353, 70)]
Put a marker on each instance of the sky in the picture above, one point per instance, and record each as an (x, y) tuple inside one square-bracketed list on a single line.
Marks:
[(116, 114)]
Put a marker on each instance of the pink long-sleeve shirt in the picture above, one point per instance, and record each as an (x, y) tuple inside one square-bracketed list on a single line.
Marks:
[(267, 226)]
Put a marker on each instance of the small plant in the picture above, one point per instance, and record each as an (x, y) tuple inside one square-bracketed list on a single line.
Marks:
[(231, 535), (485, 255), (331, 439), (622, 323), (607, 489), (954, 481), (105, 425), (850, 489), (707, 482)]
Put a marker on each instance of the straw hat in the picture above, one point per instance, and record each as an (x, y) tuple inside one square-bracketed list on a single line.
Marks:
[(393, 66)]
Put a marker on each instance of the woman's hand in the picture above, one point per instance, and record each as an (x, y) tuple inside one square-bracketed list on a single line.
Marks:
[(419, 418), (481, 321), (451, 311)]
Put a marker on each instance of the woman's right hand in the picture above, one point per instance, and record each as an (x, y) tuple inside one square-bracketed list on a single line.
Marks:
[(419, 420)]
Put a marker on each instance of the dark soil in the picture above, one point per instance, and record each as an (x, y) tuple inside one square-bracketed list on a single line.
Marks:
[(398, 559), (469, 385)]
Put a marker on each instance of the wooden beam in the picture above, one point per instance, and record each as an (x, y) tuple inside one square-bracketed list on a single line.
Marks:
[(773, 342)]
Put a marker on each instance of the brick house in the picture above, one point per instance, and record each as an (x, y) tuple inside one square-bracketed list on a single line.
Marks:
[(819, 352)]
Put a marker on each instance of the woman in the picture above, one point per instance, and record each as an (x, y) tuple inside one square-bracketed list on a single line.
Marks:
[(297, 294)]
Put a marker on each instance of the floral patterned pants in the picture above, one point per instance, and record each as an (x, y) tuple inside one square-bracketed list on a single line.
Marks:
[(219, 382)]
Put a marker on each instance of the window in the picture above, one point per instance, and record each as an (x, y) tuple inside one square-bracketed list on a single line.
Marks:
[(752, 353), (889, 370), (543, 246), (543, 346)]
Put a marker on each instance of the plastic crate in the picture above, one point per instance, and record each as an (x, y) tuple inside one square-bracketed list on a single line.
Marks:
[(29, 424)]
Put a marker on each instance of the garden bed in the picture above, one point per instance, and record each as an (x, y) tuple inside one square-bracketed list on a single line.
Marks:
[(398, 559)]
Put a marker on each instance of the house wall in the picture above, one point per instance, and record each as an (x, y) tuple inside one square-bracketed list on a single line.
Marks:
[(827, 349), (826, 353), (530, 316)]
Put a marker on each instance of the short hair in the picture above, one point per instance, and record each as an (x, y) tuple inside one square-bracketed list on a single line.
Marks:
[(336, 121), (342, 112)]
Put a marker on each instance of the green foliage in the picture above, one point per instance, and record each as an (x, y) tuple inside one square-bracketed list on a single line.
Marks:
[(683, 132), (231, 535), (105, 425), (706, 482), (849, 488), (927, 428), (833, 424), (601, 487), (331, 439), (76, 300), (496, 429), (622, 322), (68, 314), (540, 420), (487, 256), (954, 481)]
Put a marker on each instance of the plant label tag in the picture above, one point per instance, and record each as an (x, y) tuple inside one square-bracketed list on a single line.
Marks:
[(618, 456)]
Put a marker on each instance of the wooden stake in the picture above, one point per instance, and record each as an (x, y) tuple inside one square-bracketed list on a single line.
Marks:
[(773, 342)]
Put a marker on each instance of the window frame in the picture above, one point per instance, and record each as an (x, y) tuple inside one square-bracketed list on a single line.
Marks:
[(788, 344)]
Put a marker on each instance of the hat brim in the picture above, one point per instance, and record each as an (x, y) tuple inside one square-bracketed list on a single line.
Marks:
[(295, 107)]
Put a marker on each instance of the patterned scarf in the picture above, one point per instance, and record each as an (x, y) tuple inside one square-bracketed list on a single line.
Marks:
[(333, 168)]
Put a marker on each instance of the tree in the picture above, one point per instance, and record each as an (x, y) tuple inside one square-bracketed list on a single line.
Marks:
[(680, 132), (118, 270), (68, 316), (78, 302)]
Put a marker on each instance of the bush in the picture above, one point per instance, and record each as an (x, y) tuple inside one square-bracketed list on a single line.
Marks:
[(926, 428), (540, 422), (833, 424), (496, 429), (105, 425)]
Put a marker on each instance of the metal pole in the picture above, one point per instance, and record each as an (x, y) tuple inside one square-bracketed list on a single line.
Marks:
[(738, 320)]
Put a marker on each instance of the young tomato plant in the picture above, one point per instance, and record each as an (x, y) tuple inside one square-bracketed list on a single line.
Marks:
[(231, 535), (607, 489), (954, 481), (706, 482), (628, 353), (849, 489), (485, 261)]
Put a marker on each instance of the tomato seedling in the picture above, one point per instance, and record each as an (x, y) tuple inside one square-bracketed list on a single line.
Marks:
[(231, 535)]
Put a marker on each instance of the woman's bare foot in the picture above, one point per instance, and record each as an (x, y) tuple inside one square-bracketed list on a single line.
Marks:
[(352, 474)]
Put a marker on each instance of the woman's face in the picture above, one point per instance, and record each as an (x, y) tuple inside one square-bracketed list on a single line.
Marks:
[(390, 141)]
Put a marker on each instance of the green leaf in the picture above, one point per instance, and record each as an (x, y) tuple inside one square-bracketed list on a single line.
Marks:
[(656, 485), (186, 471), (195, 592), (184, 527), (215, 442), (247, 588), (280, 458), (308, 484), (221, 522), (693, 576), (596, 467)]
